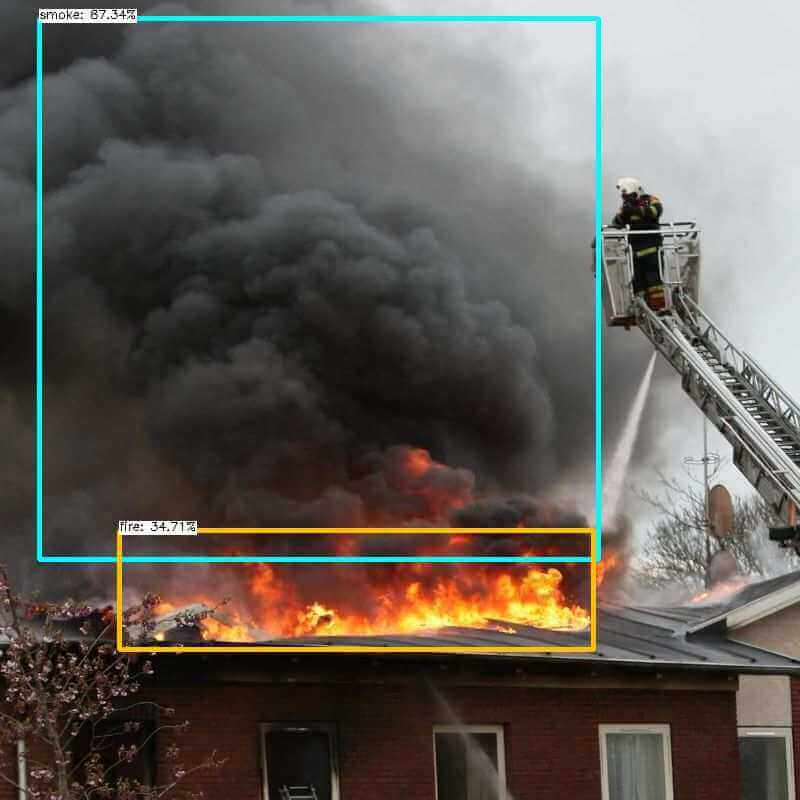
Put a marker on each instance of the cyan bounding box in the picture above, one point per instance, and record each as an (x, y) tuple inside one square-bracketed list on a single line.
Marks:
[(596, 21)]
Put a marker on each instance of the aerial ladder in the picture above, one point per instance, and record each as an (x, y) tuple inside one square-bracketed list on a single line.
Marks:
[(749, 408)]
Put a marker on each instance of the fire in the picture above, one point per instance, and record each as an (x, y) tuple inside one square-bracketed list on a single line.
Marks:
[(216, 630), (226, 625), (720, 591), (418, 462), (471, 598), (608, 565), (429, 489), (275, 602)]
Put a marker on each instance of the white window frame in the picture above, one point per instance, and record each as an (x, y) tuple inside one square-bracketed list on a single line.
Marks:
[(777, 732), (662, 730), (320, 727), (497, 730)]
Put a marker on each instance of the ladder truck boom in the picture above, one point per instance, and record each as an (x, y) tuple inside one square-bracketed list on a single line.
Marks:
[(759, 419)]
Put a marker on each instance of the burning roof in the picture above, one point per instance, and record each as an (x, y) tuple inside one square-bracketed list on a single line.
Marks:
[(627, 636), (691, 636), (406, 601), (677, 637), (289, 600), (741, 604)]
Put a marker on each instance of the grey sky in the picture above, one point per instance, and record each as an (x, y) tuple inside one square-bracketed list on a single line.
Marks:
[(698, 105)]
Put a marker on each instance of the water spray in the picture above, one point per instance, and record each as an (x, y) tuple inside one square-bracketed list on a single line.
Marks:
[(615, 477), (487, 771)]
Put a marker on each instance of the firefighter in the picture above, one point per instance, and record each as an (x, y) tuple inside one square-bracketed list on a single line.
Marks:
[(642, 212)]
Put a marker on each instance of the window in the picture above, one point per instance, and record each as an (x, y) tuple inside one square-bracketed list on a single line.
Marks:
[(299, 761), (114, 733), (469, 762), (765, 761), (635, 762)]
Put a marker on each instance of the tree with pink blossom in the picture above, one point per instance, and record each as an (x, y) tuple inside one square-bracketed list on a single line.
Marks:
[(73, 724)]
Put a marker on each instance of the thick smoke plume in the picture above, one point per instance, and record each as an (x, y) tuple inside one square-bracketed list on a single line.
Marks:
[(270, 275), (411, 489)]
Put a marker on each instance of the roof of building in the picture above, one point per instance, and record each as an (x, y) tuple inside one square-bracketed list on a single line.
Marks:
[(748, 605), (626, 636), (690, 636), (693, 635)]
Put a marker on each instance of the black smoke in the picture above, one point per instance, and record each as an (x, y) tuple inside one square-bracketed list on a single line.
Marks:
[(270, 263)]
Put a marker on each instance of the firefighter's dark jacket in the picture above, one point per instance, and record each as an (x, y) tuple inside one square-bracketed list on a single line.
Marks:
[(641, 213)]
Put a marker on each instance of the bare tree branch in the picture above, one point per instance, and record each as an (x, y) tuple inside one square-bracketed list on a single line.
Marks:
[(674, 550), (57, 691)]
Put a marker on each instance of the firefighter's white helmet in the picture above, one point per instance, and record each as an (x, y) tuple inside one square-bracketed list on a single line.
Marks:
[(629, 186)]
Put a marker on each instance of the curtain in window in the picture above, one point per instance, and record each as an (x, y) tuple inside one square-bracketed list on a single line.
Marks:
[(635, 766), (763, 768)]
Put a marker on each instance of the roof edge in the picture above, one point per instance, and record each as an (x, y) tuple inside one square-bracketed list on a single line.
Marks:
[(753, 611)]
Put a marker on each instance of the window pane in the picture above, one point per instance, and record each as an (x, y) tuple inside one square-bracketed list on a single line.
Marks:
[(763, 768), (298, 758), (636, 766), (466, 766)]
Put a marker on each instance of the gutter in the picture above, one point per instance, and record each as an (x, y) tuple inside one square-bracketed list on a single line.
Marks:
[(654, 665)]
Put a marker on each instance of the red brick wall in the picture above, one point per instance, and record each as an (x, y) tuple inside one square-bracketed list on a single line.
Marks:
[(385, 735)]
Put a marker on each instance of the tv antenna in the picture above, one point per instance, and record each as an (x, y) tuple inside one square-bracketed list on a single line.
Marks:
[(706, 460)]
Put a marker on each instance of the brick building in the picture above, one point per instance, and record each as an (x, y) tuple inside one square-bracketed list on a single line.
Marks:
[(677, 703)]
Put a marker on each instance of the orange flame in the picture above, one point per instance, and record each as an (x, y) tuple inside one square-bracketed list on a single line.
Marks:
[(418, 462), (470, 599), (215, 630), (720, 591), (417, 598), (608, 565)]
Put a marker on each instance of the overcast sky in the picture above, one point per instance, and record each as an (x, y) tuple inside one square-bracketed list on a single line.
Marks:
[(481, 135), (697, 103)]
